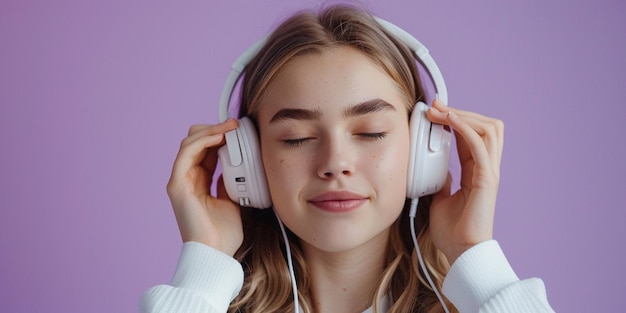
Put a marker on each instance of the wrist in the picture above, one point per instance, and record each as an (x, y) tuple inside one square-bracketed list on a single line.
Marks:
[(454, 252)]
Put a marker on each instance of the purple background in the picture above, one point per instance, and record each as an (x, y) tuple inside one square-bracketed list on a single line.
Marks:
[(95, 98)]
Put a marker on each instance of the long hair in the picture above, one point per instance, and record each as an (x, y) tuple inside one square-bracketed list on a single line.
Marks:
[(267, 284)]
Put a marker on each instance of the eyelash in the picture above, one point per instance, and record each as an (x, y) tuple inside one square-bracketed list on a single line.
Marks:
[(374, 136), (368, 136), (295, 142)]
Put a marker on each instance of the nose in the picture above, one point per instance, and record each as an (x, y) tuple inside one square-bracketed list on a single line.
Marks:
[(335, 159)]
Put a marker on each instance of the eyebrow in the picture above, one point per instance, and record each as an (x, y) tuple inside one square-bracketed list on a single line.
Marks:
[(296, 114), (370, 106)]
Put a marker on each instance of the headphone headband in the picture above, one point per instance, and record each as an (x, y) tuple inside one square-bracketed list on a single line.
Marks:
[(420, 52), (243, 170)]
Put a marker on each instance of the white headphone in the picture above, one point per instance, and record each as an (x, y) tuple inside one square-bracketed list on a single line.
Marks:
[(240, 157)]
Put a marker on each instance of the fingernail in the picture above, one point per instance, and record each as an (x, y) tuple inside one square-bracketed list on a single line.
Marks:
[(433, 110)]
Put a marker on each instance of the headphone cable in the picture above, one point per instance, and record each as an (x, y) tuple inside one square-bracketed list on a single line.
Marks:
[(292, 274), (412, 214)]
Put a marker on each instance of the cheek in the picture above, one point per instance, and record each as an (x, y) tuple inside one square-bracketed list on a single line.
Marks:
[(282, 173), (278, 169), (388, 177), (391, 164)]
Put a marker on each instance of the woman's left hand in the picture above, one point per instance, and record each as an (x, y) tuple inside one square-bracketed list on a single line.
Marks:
[(461, 220)]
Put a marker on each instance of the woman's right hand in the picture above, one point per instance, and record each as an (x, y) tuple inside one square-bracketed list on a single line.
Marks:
[(214, 221)]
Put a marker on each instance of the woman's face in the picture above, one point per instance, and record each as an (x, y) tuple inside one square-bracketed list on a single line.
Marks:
[(335, 143)]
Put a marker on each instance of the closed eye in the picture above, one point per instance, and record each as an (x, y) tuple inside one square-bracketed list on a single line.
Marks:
[(373, 136), (296, 142), (300, 141)]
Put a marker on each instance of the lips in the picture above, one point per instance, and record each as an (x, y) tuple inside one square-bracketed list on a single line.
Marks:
[(338, 201)]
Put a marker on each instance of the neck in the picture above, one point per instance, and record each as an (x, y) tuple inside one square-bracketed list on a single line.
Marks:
[(346, 281)]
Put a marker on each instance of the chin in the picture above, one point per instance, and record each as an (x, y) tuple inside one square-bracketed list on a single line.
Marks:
[(344, 239)]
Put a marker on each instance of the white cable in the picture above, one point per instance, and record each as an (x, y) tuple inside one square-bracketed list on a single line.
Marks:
[(294, 286), (412, 214), (419, 254)]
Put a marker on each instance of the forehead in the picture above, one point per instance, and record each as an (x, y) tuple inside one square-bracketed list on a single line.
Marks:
[(329, 81)]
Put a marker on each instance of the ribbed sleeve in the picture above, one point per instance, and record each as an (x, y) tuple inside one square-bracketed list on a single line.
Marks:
[(206, 280), (481, 280), (525, 296)]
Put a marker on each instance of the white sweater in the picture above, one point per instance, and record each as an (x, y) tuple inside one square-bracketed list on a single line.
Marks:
[(480, 280)]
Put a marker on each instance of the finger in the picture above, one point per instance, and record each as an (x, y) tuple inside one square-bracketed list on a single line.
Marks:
[(492, 133), (490, 129), (201, 137), (193, 152), (474, 142), (439, 105), (442, 117), (439, 114), (463, 150), (200, 130), (196, 128)]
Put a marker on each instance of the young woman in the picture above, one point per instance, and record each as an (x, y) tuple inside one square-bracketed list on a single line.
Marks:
[(330, 94)]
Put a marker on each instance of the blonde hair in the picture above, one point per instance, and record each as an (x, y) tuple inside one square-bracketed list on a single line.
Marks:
[(267, 285)]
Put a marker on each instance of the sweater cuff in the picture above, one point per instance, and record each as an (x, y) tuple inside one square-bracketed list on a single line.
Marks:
[(213, 275), (477, 275)]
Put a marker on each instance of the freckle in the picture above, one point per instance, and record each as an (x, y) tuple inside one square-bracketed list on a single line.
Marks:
[(344, 289)]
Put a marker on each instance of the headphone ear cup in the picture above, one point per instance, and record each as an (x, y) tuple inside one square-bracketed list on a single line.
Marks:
[(429, 154), (242, 167)]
